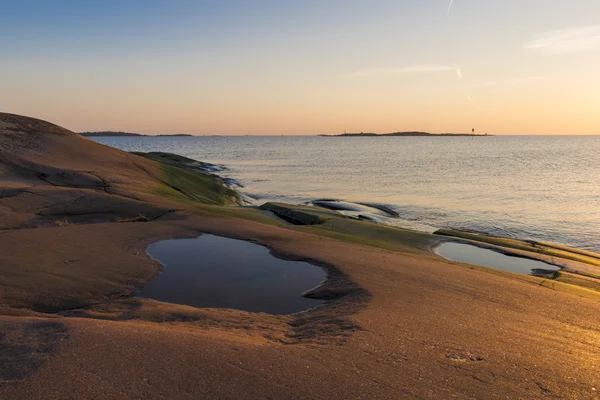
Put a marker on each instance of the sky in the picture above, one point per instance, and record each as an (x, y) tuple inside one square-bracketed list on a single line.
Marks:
[(304, 67)]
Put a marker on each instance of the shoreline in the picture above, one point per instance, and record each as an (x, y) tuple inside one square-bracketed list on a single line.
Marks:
[(386, 214), (494, 211)]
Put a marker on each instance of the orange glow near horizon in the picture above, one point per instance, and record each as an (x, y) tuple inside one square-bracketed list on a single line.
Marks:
[(300, 70)]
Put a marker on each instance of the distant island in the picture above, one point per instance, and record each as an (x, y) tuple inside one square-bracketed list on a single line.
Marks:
[(114, 133), (416, 133)]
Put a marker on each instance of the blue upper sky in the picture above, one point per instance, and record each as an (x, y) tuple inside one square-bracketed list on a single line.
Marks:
[(310, 66)]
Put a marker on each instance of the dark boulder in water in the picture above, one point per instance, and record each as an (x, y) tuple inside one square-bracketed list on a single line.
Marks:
[(300, 215), (366, 211)]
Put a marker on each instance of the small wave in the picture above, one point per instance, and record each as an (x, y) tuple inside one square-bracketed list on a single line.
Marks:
[(232, 183), (382, 207), (208, 167)]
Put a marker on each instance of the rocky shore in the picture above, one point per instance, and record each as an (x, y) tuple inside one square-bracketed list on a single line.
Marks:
[(399, 322)]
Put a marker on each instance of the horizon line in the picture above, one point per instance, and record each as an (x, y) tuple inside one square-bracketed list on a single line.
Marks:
[(334, 134)]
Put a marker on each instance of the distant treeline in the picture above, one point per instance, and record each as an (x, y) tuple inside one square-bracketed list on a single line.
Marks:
[(113, 133), (416, 133)]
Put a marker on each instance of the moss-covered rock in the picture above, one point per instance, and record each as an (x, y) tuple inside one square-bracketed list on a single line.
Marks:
[(186, 180)]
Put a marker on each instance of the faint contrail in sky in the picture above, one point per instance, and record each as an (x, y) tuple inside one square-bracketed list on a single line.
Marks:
[(450, 6)]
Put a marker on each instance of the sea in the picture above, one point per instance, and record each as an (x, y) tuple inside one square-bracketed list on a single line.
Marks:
[(529, 187)]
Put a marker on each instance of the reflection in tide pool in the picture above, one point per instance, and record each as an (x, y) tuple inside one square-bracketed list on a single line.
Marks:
[(492, 259), (217, 272)]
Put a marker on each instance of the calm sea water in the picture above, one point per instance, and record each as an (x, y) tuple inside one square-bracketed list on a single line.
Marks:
[(540, 187)]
